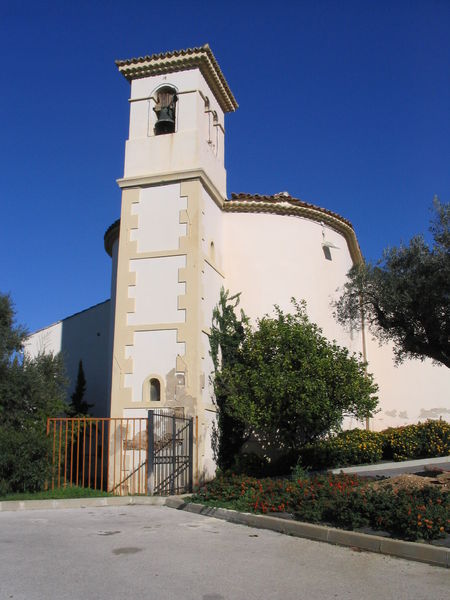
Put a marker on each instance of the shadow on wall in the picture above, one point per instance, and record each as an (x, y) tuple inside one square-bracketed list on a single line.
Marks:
[(85, 336)]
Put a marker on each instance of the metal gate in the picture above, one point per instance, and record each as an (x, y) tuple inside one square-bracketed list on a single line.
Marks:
[(170, 469), (152, 455)]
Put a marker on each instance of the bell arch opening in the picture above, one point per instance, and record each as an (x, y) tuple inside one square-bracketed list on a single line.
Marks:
[(165, 109)]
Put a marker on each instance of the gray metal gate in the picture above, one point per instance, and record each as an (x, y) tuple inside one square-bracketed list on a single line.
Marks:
[(169, 454)]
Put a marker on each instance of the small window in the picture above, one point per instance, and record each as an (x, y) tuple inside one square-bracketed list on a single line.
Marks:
[(155, 390), (166, 99)]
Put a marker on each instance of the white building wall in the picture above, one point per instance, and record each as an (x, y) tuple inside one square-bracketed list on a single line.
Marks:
[(156, 291), (158, 212), (45, 341), (153, 353), (213, 236), (84, 336), (271, 258), (414, 391)]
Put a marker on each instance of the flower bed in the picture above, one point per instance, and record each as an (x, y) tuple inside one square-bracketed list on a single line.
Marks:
[(344, 501)]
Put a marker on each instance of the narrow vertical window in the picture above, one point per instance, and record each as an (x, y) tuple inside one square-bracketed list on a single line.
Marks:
[(155, 390)]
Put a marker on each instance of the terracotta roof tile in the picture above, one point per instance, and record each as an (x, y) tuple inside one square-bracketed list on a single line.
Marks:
[(287, 198), (201, 57)]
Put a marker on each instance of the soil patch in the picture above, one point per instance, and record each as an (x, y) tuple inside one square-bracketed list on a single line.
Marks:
[(416, 481)]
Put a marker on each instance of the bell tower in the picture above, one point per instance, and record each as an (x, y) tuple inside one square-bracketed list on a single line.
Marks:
[(169, 241)]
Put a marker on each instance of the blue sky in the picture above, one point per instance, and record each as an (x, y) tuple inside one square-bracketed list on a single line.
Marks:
[(345, 104)]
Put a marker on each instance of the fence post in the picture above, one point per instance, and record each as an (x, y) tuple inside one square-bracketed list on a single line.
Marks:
[(191, 448), (150, 453), (174, 454)]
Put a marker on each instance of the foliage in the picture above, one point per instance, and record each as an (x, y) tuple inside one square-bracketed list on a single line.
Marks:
[(31, 389), (78, 407), (12, 336), (421, 440), (70, 491), (404, 297), (289, 385), (359, 446), (419, 515), (342, 500), (249, 463), (24, 464), (352, 447), (227, 334)]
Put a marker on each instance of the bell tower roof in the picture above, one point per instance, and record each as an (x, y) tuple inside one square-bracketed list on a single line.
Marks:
[(182, 60)]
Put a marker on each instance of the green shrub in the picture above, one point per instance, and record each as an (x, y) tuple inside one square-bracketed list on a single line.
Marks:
[(24, 459), (359, 446), (352, 447), (419, 515), (421, 440), (250, 464)]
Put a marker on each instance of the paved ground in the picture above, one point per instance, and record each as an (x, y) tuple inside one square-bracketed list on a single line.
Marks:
[(158, 553), (398, 470)]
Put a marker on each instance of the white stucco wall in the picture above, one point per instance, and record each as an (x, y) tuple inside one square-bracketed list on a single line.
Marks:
[(212, 230), (156, 291), (212, 281), (414, 391), (153, 353), (271, 258), (158, 212), (45, 341), (84, 336)]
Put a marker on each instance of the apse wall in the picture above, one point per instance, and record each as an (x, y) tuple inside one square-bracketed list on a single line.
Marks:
[(271, 258), (411, 392)]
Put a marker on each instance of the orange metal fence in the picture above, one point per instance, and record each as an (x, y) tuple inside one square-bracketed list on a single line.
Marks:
[(112, 454), (103, 454)]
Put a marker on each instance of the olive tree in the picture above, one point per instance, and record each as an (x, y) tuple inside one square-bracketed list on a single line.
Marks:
[(405, 297)]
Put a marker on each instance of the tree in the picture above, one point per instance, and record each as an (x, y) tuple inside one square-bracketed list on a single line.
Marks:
[(31, 389), (78, 406), (289, 385), (405, 297), (227, 334)]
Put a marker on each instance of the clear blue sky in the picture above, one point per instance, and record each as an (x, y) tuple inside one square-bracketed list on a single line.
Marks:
[(345, 104)]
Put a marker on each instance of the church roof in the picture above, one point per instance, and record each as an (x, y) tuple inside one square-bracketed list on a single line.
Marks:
[(284, 204), (285, 197), (182, 60)]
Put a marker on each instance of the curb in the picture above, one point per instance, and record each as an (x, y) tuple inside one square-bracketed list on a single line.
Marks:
[(392, 465), (19, 505), (373, 543)]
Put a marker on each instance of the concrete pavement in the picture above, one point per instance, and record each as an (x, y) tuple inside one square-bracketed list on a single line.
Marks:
[(391, 469), (159, 553)]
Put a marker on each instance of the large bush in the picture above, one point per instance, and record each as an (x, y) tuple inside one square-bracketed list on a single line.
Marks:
[(359, 446), (289, 385), (24, 459), (422, 440), (352, 447), (30, 391)]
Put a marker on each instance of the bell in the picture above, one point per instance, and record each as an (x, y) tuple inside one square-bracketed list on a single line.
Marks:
[(166, 120)]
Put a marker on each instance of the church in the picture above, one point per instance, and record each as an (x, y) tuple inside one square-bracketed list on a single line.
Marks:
[(180, 238)]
